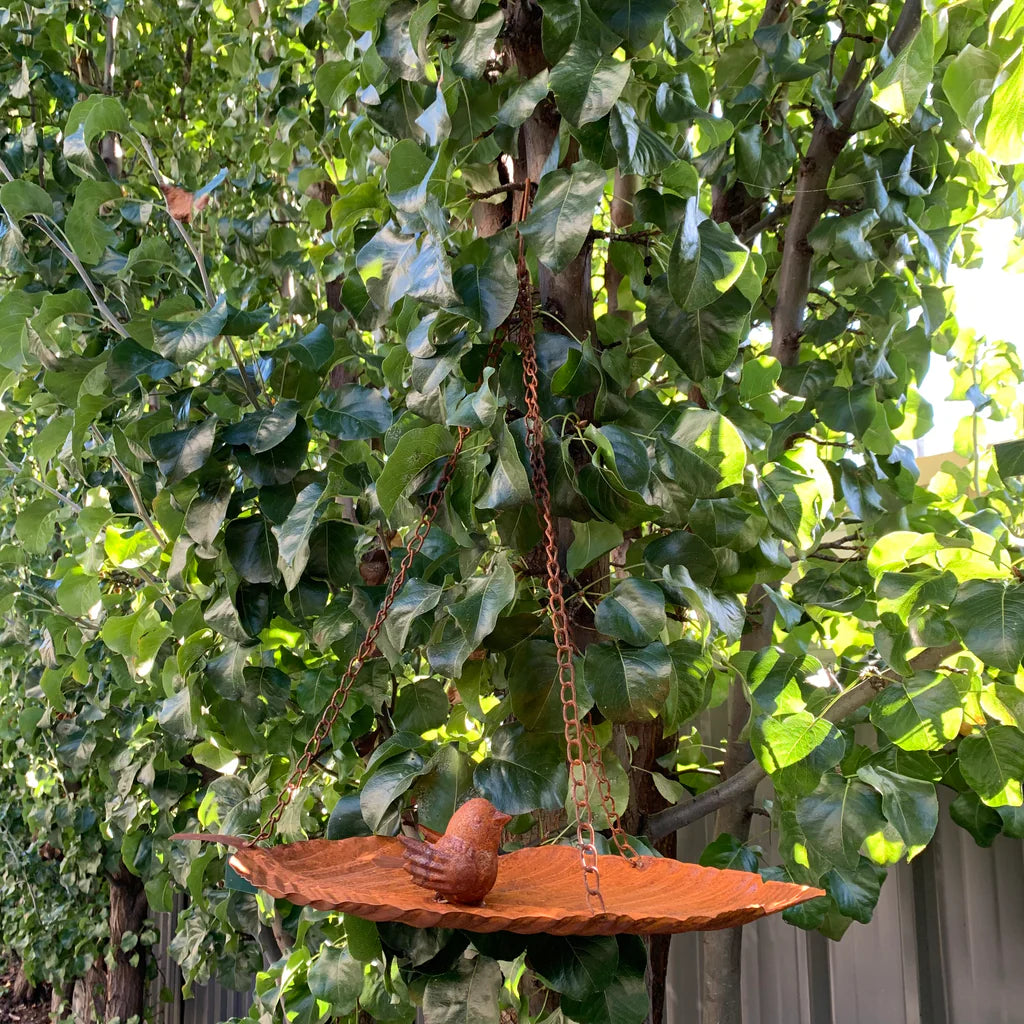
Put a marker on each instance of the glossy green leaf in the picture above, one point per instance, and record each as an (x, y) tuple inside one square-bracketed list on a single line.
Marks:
[(524, 771), (629, 684), (467, 995), (705, 262), (992, 762), (921, 713), (416, 450), (634, 612), (563, 213), (184, 340), (353, 413), (586, 82), (183, 452)]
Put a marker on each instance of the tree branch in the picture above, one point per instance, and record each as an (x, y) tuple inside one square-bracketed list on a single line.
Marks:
[(752, 773), (811, 197)]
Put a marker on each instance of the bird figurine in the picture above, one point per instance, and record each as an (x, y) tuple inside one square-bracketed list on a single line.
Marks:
[(462, 865)]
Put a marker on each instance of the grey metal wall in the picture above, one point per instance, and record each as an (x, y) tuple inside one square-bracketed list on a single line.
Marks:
[(209, 1004), (946, 946)]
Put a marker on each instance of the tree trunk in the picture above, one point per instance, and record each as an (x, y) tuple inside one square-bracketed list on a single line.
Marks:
[(722, 950), (644, 800), (126, 978), (22, 990)]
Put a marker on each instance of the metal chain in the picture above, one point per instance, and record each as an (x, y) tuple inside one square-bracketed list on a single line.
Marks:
[(366, 648), (574, 736), (604, 788)]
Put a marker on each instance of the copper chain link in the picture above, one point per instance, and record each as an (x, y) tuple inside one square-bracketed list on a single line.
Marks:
[(366, 648)]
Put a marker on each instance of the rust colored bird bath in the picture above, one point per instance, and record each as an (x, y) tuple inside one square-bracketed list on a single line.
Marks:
[(539, 889)]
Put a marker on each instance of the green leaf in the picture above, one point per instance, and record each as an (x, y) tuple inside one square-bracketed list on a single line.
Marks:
[(421, 706), (88, 235), (1010, 458), (967, 83), (129, 362), (184, 340), (335, 977), (78, 593), (901, 86), (589, 542), (362, 938), (784, 740), (793, 503), (534, 689), (628, 684), (1003, 139), (509, 485), (910, 805), (640, 149), (728, 853), (983, 822), (487, 284), (634, 612), (989, 617), (182, 452), (293, 534), (466, 995), (353, 413), (856, 890), (523, 100), (21, 199), (705, 262), (838, 817), (473, 618), (848, 410), (575, 966), (395, 266), (524, 771), (264, 429), (624, 1000), (416, 598), (992, 763), (705, 342), (638, 22), (690, 689), (471, 56), (252, 549), (563, 212), (417, 449), (921, 713), (586, 83)]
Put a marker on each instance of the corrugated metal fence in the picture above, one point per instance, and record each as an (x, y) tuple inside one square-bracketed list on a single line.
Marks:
[(946, 946)]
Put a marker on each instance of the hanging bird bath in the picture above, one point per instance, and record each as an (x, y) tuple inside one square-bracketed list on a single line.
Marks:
[(560, 890), (538, 889)]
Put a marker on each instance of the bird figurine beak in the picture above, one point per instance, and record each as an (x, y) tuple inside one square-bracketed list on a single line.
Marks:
[(501, 819)]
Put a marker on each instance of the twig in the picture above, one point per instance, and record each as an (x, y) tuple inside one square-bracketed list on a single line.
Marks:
[(42, 484), (66, 252), (122, 470), (634, 237), (512, 186), (752, 773), (767, 221)]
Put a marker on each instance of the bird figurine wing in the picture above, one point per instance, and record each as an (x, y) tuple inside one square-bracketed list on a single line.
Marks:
[(447, 867)]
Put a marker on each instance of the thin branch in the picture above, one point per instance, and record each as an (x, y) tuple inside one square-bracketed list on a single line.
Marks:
[(811, 198), (66, 252), (133, 489), (634, 237), (512, 186), (42, 484), (752, 773), (769, 220)]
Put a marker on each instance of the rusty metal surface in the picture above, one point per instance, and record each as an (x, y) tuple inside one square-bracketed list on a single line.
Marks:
[(539, 889)]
